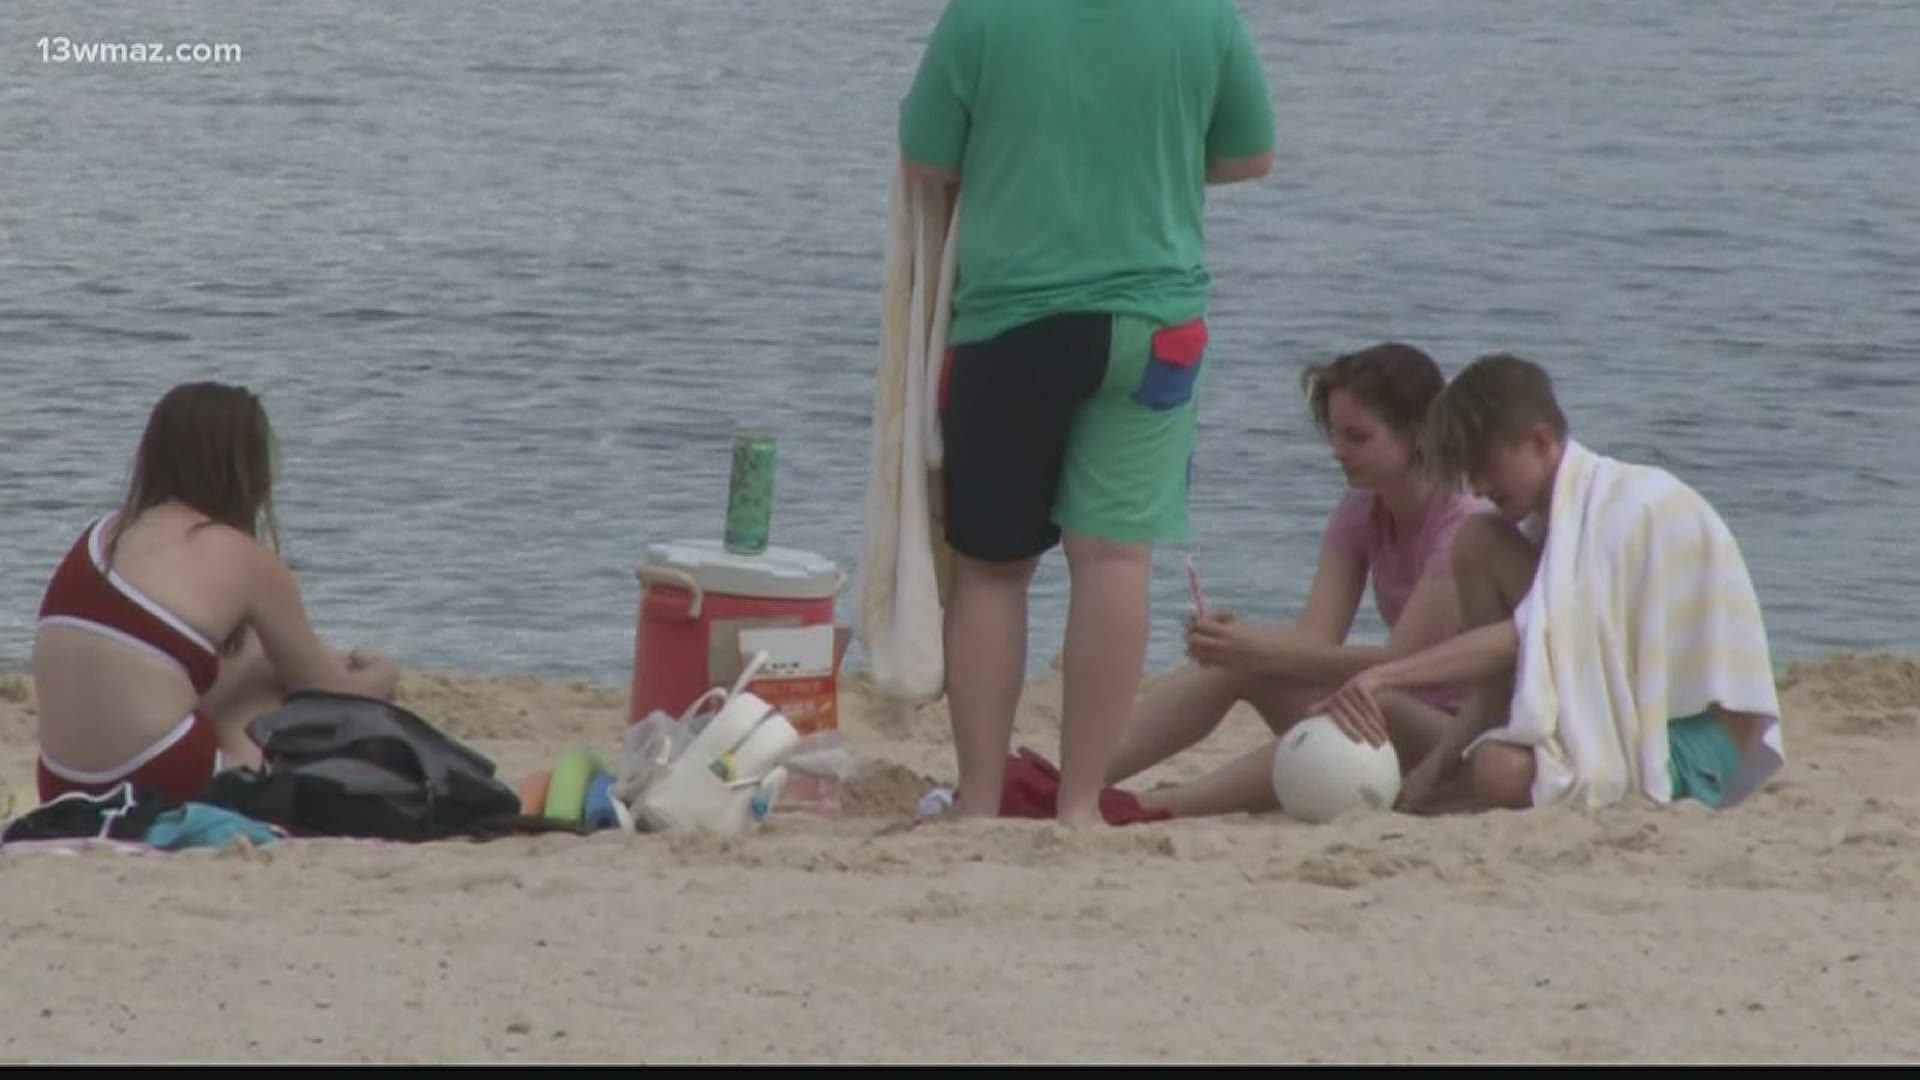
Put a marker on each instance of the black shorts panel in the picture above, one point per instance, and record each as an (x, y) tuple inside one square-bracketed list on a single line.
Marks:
[(1005, 419)]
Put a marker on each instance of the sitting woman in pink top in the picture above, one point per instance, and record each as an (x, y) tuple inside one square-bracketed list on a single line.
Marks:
[(1394, 526), (173, 621)]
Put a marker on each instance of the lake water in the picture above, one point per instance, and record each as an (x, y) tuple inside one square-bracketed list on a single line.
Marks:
[(509, 275)]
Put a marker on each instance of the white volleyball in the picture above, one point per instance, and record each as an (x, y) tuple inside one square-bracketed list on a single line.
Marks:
[(1319, 773)]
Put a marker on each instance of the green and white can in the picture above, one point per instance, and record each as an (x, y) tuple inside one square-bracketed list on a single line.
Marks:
[(750, 494)]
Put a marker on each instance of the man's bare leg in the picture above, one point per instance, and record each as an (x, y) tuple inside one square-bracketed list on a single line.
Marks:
[(1493, 567), (1502, 776), (1106, 651), (986, 657)]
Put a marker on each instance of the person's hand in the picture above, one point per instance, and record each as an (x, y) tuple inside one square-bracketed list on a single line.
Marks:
[(1223, 641), (1356, 708), (381, 670), (363, 658)]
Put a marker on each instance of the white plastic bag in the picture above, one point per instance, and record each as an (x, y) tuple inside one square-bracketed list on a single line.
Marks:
[(720, 770)]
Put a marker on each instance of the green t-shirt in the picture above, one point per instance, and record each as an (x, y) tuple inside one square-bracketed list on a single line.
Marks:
[(1081, 130)]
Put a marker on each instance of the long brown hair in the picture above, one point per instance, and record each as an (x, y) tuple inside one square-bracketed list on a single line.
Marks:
[(208, 445)]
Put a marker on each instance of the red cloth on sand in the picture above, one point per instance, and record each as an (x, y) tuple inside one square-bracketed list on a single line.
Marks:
[(1032, 790)]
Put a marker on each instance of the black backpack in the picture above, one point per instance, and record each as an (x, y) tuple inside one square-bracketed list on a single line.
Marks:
[(346, 765)]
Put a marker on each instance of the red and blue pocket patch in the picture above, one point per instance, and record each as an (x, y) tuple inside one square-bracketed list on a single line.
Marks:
[(1174, 366)]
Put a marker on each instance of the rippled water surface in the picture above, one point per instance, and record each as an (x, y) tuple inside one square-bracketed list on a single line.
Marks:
[(510, 274)]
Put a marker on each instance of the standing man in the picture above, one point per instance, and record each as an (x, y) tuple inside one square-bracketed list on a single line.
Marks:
[(1083, 134)]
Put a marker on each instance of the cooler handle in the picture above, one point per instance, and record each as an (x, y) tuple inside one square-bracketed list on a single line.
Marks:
[(650, 575)]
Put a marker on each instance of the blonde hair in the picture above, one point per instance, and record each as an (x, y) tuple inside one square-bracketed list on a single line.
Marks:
[(1493, 402)]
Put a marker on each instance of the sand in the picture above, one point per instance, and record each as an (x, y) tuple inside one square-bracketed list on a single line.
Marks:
[(1779, 931)]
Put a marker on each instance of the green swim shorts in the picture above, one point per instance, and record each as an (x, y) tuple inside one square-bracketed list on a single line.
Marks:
[(1129, 456), (1702, 758), (1081, 421)]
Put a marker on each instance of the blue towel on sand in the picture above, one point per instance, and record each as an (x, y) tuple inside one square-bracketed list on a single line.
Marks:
[(200, 825)]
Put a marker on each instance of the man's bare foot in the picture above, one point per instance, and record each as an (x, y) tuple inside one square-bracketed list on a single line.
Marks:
[(1079, 817)]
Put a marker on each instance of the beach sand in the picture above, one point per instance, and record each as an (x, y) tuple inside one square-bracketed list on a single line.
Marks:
[(1778, 931)]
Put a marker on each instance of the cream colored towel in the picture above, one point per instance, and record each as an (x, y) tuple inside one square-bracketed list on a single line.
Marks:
[(904, 557), (1641, 612)]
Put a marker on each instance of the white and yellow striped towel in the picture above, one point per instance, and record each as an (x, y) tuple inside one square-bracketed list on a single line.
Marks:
[(1641, 612), (904, 558)]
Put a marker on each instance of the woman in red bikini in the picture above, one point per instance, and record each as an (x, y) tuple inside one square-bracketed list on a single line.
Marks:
[(173, 621)]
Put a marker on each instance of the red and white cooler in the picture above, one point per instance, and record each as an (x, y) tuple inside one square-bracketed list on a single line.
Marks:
[(703, 609)]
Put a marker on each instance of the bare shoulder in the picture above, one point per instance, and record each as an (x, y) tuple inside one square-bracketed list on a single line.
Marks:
[(234, 548)]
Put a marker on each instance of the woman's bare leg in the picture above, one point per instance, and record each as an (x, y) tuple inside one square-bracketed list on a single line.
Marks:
[(247, 687), (1182, 708), (1245, 785)]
